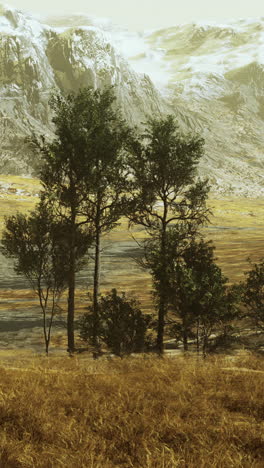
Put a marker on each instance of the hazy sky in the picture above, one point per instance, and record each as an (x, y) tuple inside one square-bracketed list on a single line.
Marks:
[(148, 14)]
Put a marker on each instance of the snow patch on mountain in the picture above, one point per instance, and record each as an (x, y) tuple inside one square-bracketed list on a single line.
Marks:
[(37, 60), (211, 76)]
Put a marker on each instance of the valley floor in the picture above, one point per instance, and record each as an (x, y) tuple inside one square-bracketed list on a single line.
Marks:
[(236, 228)]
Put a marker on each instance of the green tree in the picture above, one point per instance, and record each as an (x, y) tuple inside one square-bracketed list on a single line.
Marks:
[(108, 182), (166, 193), (199, 294), (37, 244), (253, 294), (122, 327), (63, 177), (83, 175)]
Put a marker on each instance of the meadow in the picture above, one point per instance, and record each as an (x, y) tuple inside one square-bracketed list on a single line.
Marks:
[(175, 412), (148, 412)]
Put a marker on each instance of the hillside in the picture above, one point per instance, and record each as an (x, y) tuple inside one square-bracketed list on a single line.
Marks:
[(209, 75), (212, 77), (37, 60)]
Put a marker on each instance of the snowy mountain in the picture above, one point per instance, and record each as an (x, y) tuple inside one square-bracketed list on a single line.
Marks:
[(37, 60), (210, 75), (216, 80)]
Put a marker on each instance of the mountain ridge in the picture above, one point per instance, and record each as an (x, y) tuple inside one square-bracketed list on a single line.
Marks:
[(210, 76), (36, 60)]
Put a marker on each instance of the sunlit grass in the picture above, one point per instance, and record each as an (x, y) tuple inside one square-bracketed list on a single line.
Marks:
[(63, 412)]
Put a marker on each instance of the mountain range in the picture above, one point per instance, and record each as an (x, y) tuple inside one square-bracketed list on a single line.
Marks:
[(211, 76)]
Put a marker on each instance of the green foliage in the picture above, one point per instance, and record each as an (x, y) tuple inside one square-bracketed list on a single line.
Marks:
[(253, 294), (84, 173), (163, 165), (34, 241), (196, 290), (38, 244), (176, 240), (87, 155), (122, 325), (199, 294), (166, 193)]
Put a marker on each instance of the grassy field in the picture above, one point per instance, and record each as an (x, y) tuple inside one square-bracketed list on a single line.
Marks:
[(141, 413)]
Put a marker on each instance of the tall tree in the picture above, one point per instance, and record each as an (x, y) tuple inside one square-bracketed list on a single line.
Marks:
[(64, 178), (84, 175), (37, 244), (166, 192), (108, 182), (178, 238)]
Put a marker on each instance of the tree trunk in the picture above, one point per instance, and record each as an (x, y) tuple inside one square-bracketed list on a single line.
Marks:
[(47, 347), (71, 287), (185, 340), (162, 295), (43, 304), (185, 333), (161, 321), (197, 337), (205, 345), (96, 289), (71, 305)]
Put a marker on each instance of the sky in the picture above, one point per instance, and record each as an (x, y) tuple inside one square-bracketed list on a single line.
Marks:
[(147, 14)]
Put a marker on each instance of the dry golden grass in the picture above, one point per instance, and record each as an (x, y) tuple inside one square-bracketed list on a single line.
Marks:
[(62, 412)]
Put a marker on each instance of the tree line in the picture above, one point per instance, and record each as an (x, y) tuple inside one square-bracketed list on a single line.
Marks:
[(96, 170)]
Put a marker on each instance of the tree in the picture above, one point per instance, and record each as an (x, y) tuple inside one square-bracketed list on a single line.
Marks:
[(253, 294), (199, 294), (84, 176), (122, 327), (37, 244), (63, 176), (106, 188), (166, 193)]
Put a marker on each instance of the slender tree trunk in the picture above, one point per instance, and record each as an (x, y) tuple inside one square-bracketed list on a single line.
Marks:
[(46, 335), (96, 286), (71, 286), (43, 305), (185, 340), (161, 323), (205, 345), (197, 337), (185, 333), (162, 295), (50, 324), (46, 339)]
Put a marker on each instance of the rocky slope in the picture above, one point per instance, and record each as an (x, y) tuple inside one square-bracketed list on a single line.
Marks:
[(211, 76), (36, 60), (216, 80)]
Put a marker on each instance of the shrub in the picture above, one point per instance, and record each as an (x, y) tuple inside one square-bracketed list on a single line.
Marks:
[(122, 325)]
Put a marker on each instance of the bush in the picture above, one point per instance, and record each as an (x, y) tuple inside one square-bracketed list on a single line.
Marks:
[(122, 325), (253, 294)]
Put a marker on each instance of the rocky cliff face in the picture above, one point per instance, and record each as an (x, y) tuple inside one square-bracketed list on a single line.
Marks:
[(216, 80), (211, 76), (36, 60)]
